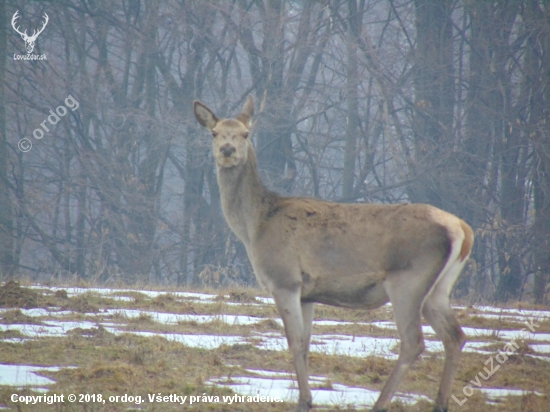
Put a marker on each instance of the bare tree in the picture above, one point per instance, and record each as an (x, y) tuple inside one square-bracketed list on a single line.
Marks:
[(537, 67), (427, 101), (7, 262)]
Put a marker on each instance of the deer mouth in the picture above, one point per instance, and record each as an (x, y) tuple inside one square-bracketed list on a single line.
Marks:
[(227, 161)]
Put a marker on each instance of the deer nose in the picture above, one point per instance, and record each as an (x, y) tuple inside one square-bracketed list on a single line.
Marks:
[(227, 150)]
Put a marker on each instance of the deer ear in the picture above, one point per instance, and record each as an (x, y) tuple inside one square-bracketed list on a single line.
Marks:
[(248, 111), (204, 115)]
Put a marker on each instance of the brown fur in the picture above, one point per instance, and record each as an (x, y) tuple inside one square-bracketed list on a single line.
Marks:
[(468, 240), (352, 255)]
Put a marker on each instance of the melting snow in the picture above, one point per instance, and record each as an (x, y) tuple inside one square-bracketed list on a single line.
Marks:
[(114, 293), (50, 328), (40, 312), (173, 318), (282, 385), (525, 313), (194, 341), (507, 335), (497, 395), (24, 375)]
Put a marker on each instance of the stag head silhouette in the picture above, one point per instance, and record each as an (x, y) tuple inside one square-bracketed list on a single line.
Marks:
[(29, 40)]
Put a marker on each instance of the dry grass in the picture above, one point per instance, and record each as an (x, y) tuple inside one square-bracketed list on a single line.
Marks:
[(12, 295), (15, 316), (114, 365)]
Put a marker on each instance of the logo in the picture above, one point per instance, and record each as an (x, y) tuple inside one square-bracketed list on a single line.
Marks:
[(29, 40)]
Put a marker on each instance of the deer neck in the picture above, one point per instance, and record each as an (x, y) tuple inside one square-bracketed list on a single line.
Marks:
[(244, 198)]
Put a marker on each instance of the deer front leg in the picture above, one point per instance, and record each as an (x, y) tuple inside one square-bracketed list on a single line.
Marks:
[(290, 309)]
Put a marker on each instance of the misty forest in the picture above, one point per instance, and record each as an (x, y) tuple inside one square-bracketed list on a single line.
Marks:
[(106, 177)]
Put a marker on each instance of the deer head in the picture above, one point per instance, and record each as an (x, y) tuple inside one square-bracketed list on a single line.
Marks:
[(230, 136), (29, 40)]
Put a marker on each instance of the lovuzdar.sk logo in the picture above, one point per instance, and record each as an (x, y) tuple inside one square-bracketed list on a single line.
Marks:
[(29, 40)]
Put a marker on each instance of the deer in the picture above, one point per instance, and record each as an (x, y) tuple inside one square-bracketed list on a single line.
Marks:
[(29, 40), (306, 251)]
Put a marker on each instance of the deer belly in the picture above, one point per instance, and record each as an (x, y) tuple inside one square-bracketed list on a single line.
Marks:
[(345, 292)]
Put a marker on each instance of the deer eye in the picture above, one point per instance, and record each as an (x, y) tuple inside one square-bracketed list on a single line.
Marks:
[(214, 134), (245, 135)]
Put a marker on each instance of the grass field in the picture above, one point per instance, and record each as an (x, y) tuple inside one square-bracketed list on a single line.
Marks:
[(224, 350)]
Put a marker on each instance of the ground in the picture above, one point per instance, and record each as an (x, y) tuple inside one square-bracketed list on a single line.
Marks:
[(224, 350)]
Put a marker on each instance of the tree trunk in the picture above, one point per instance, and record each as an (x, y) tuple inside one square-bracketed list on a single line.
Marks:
[(541, 183), (538, 46), (273, 131), (511, 146), (7, 262), (80, 242), (434, 102), (352, 84)]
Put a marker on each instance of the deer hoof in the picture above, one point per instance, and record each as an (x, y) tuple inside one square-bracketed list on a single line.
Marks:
[(304, 406)]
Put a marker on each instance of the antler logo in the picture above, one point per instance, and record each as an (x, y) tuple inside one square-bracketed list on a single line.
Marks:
[(29, 40)]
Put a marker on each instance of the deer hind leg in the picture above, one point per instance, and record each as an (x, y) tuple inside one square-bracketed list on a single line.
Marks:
[(297, 335), (437, 311), (307, 321), (406, 293)]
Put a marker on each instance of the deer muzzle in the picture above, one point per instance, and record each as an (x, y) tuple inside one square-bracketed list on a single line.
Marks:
[(227, 150)]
